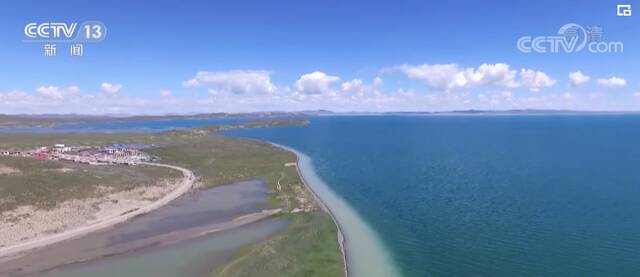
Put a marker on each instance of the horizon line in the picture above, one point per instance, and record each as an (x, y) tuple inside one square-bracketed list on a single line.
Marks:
[(320, 112)]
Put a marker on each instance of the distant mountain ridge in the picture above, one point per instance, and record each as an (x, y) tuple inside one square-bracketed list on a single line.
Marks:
[(49, 120)]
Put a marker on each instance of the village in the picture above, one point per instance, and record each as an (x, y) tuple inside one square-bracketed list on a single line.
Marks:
[(115, 154)]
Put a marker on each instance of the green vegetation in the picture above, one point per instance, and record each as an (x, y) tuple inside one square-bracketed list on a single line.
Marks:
[(308, 247), (222, 160), (26, 140), (255, 124), (19, 121), (11, 121), (45, 183)]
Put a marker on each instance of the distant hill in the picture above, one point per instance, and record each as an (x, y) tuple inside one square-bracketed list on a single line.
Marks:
[(50, 120)]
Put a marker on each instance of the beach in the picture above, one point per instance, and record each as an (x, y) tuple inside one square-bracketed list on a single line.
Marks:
[(363, 251), (217, 161), (8, 252), (205, 215), (341, 238)]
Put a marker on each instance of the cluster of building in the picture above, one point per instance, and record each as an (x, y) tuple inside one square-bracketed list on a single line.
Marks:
[(122, 154)]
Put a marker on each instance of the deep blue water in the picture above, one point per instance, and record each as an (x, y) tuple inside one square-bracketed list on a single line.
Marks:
[(478, 195), (486, 195)]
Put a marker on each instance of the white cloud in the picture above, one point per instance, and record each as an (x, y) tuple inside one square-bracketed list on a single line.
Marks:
[(577, 78), (488, 86), (372, 99), (445, 77), (315, 83), (56, 93), (110, 89), (568, 95), (612, 82), (353, 86), (437, 76), (377, 81), (535, 80), (359, 89), (234, 81), (13, 95)]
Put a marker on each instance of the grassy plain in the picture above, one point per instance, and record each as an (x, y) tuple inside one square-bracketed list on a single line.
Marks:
[(308, 247), (45, 183)]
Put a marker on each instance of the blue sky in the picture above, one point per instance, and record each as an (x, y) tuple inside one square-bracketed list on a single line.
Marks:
[(337, 55)]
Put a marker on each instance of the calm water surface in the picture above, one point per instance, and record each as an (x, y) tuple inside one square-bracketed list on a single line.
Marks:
[(486, 195), (165, 242)]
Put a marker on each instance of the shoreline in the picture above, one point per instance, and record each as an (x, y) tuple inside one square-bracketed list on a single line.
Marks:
[(363, 251), (341, 237), (13, 251), (88, 252)]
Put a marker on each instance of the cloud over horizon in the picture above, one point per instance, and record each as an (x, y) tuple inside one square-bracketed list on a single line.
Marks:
[(578, 78), (315, 83), (233, 81), (451, 77), (535, 80), (612, 82), (58, 93), (440, 87), (110, 89)]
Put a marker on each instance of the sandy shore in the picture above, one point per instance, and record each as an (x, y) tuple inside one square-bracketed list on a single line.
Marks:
[(323, 205), (6, 170), (29, 222), (104, 219), (203, 213), (364, 252)]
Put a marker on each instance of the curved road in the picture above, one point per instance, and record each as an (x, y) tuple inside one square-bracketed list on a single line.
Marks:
[(185, 185)]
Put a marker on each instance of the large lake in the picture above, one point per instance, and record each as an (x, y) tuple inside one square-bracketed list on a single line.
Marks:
[(535, 195), (540, 195)]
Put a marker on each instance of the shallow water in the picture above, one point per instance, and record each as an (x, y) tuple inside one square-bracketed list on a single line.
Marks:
[(162, 234), (543, 195), (196, 257), (366, 255)]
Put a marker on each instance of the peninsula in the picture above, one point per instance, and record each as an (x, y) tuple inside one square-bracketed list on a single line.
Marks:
[(67, 198)]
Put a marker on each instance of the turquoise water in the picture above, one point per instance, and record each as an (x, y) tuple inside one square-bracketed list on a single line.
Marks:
[(365, 253), (481, 195), (486, 195)]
